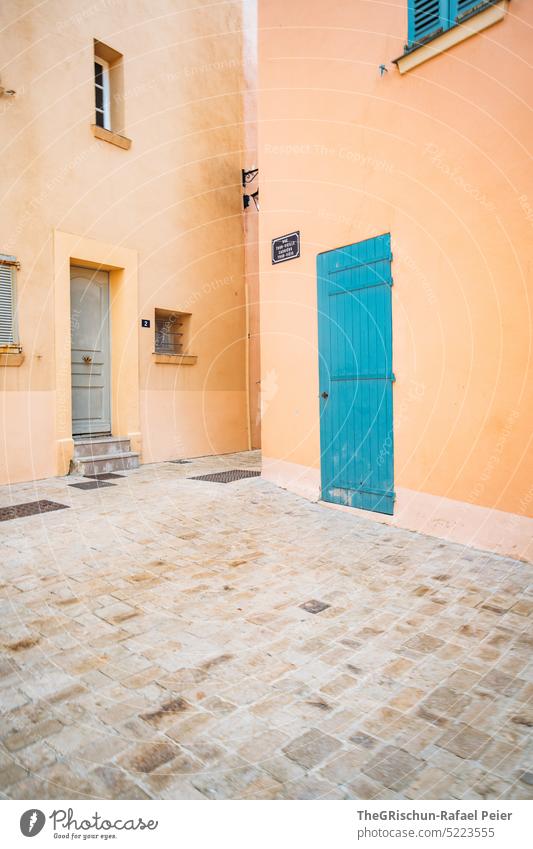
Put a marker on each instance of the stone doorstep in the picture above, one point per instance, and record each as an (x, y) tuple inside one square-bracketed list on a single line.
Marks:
[(102, 454), (102, 464), (87, 446)]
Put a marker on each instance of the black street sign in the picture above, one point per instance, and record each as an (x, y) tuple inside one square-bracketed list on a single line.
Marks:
[(286, 247), (145, 322)]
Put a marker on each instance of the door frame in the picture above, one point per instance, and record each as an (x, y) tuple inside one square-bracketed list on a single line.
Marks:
[(122, 265)]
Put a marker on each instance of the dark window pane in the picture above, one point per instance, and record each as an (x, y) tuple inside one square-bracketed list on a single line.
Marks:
[(99, 94), (167, 338), (98, 76), (99, 119)]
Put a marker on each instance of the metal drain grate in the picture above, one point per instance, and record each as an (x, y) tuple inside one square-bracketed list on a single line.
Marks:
[(104, 476), (180, 462), (91, 484), (227, 477), (31, 508)]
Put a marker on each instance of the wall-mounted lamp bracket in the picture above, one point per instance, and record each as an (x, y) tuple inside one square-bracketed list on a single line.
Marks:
[(248, 176), (246, 200)]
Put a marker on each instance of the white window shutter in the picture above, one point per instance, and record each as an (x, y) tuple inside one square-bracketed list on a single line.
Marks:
[(7, 280)]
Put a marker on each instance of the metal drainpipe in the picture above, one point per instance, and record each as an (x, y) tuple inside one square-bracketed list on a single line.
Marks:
[(247, 354)]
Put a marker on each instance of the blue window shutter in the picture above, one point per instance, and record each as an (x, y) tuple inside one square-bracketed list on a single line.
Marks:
[(428, 17), (464, 6), (425, 18)]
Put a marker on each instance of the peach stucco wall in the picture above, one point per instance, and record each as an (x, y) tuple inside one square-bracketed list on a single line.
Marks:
[(439, 158), (173, 200)]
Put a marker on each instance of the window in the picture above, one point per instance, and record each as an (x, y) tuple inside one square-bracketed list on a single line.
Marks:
[(428, 18), (108, 93), (8, 330), (101, 93), (171, 332)]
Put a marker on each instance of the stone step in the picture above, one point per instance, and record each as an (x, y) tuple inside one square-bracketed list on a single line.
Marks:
[(89, 446), (98, 464)]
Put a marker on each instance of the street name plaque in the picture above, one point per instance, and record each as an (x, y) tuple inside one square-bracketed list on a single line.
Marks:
[(286, 247)]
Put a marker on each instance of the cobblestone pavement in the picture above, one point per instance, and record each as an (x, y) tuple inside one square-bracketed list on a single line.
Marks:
[(157, 643)]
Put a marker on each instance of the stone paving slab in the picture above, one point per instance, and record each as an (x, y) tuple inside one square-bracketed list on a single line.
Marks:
[(167, 638)]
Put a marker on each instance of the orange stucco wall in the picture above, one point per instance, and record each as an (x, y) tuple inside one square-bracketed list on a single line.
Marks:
[(439, 158), (173, 199)]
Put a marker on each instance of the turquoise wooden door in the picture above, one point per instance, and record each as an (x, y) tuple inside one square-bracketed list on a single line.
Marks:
[(355, 375)]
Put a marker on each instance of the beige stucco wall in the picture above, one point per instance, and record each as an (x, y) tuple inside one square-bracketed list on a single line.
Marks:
[(173, 200), (438, 157)]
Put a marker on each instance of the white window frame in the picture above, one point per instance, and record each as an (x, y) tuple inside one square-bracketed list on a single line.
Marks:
[(8, 313), (105, 87)]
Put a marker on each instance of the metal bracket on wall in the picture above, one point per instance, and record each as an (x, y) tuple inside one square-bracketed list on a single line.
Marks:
[(248, 176), (254, 197)]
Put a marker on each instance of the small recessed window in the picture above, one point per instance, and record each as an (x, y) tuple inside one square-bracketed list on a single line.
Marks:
[(108, 88), (101, 93), (171, 332)]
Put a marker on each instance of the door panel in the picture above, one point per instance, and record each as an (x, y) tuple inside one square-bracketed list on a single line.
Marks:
[(355, 371), (89, 305)]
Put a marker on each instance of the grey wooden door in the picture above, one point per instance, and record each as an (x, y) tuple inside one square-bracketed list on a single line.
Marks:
[(89, 312)]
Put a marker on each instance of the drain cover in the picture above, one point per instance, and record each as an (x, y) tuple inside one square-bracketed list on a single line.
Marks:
[(227, 477), (98, 484), (31, 508), (180, 462)]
